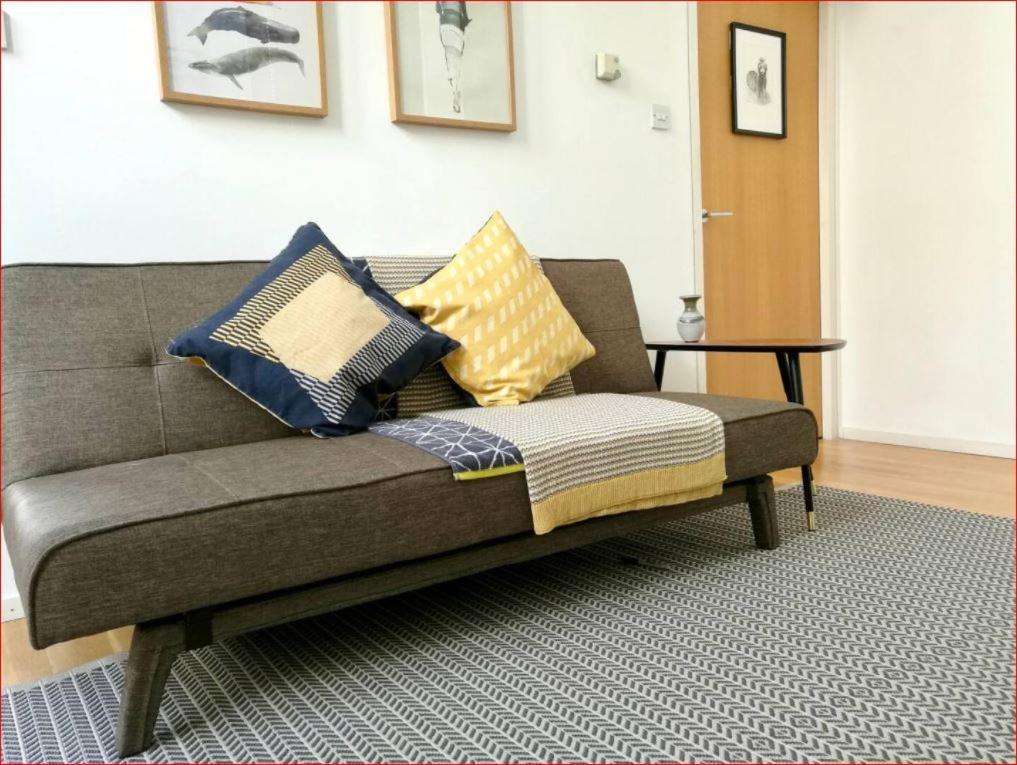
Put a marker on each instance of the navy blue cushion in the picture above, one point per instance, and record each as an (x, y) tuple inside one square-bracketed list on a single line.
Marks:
[(314, 340)]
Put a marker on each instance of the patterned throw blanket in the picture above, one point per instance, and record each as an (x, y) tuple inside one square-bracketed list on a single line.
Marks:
[(584, 456)]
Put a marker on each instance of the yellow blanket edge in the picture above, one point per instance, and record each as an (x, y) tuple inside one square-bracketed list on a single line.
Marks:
[(473, 475), (634, 491)]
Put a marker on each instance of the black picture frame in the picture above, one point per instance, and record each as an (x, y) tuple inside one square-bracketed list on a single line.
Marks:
[(740, 85)]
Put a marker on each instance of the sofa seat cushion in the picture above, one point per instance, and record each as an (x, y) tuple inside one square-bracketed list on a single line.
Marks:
[(760, 436), (113, 545)]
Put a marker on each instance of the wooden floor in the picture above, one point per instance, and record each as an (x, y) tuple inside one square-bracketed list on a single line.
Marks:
[(978, 484), (963, 481)]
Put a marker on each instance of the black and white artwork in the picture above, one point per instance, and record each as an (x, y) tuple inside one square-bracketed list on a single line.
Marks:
[(250, 55), (450, 63), (758, 87)]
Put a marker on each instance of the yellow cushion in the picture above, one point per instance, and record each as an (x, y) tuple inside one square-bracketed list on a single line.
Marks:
[(515, 333)]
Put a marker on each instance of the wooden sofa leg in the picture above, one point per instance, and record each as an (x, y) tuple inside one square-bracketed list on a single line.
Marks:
[(763, 509), (154, 647)]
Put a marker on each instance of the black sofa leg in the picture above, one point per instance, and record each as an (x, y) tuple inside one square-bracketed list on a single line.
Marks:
[(763, 509), (153, 649)]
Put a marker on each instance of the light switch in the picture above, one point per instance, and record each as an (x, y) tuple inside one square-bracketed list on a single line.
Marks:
[(660, 117)]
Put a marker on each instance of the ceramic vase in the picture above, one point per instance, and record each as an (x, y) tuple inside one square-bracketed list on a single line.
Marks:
[(691, 324)]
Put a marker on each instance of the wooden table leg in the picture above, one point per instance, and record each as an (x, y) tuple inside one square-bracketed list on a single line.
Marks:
[(790, 367), (658, 367), (785, 375)]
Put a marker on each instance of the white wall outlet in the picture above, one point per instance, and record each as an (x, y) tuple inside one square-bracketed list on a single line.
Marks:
[(660, 117), (12, 608), (608, 66)]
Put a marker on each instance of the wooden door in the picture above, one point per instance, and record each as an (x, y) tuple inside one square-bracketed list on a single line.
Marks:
[(760, 266)]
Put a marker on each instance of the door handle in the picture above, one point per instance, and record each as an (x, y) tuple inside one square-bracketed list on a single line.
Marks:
[(707, 214)]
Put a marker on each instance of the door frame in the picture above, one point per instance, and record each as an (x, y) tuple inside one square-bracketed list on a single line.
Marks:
[(692, 27), (828, 232), (829, 270)]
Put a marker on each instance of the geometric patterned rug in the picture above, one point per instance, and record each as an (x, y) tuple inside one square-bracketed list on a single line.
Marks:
[(886, 636)]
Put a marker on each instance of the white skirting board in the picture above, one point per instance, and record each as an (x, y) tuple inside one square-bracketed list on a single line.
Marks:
[(985, 448)]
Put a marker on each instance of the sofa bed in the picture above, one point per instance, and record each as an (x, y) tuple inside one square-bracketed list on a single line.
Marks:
[(140, 490)]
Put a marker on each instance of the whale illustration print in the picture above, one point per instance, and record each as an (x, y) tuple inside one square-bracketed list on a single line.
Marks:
[(246, 61), (246, 23)]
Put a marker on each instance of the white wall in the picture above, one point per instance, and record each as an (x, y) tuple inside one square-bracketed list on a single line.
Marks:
[(925, 221), (96, 168)]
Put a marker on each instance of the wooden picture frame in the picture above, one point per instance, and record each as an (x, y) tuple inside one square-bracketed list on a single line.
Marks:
[(397, 108), (170, 93), (750, 72)]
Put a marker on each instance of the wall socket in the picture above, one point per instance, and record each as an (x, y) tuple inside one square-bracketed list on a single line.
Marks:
[(12, 608)]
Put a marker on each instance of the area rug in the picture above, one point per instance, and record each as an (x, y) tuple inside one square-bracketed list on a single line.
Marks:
[(886, 636)]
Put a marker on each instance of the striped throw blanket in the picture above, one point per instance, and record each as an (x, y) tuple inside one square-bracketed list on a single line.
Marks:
[(584, 456)]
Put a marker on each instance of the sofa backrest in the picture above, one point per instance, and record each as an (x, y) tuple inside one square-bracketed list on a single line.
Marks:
[(86, 379)]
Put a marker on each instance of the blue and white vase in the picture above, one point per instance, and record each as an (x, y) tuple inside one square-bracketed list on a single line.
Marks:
[(691, 324)]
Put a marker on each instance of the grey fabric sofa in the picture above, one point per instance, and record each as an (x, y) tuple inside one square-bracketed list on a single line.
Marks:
[(142, 490)]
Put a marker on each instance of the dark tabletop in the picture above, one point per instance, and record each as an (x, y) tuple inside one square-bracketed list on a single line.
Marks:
[(763, 345)]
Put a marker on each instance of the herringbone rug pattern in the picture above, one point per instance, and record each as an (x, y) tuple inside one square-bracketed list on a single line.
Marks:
[(886, 636)]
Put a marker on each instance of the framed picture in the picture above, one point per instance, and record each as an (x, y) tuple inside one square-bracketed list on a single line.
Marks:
[(450, 63), (758, 82), (259, 56)]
